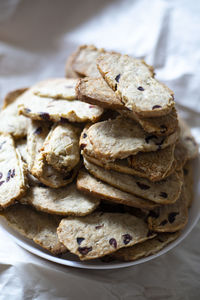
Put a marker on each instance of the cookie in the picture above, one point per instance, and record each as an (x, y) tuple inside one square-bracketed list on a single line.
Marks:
[(69, 72), (133, 82), (162, 192), (12, 172), (61, 147), (92, 186), (120, 138), (21, 145), (37, 226), (96, 91), (49, 109), (10, 121), (67, 201), (144, 249), (161, 126), (171, 217), (83, 61), (100, 233), (154, 165), (37, 165), (59, 88)]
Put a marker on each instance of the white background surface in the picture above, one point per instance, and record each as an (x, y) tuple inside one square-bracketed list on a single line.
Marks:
[(35, 39)]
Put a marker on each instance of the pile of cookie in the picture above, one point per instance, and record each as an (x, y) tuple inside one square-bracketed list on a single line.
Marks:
[(96, 163)]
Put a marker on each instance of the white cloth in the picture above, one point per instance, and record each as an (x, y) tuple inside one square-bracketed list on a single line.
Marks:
[(35, 39)]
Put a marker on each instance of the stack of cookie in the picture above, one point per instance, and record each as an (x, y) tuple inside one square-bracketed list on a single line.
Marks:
[(96, 163), (137, 155)]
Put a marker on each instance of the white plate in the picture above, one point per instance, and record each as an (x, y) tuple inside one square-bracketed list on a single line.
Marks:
[(71, 260)]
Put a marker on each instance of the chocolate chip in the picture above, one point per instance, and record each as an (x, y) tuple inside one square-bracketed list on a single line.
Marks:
[(38, 130), (44, 116), (68, 175), (117, 77), (8, 176), (12, 173), (79, 240), (163, 129), (99, 226), (163, 195), (84, 135), (63, 120), (27, 110), (150, 137), (142, 186), (164, 222), (84, 250), (82, 146), (113, 243), (127, 238), (2, 144), (115, 87), (1, 175), (185, 171), (156, 106), (1, 182), (172, 216), (140, 88), (153, 214)]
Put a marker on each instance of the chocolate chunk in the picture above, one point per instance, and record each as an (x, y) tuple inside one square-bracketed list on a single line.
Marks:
[(44, 116), (82, 146), (163, 195), (164, 222), (1, 175), (113, 243), (27, 110), (140, 88), (156, 106), (1, 182), (63, 120), (126, 238), (115, 87), (38, 130), (142, 186), (163, 128), (79, 240), (185, 171), (84, 135), (68, 175), (99, 226), (84, 250), (117, 77), (172, 216)]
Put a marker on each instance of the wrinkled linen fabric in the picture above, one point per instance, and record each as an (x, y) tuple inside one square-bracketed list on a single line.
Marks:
[(35, 39)]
